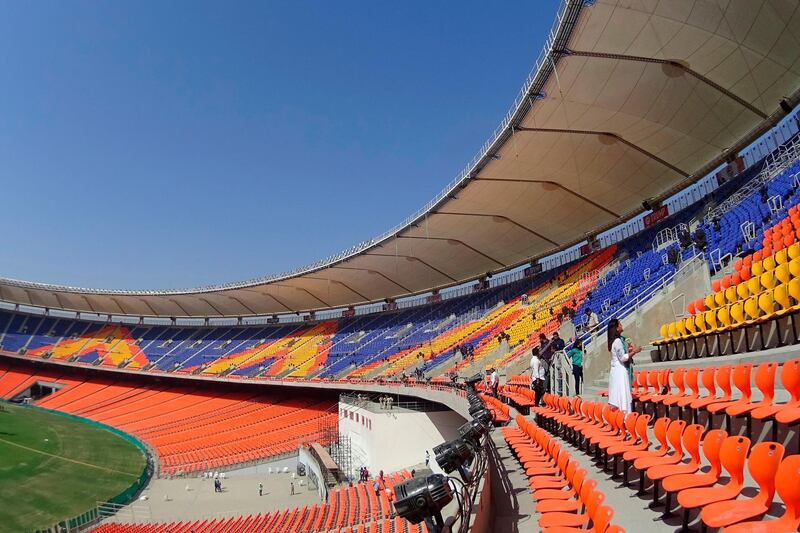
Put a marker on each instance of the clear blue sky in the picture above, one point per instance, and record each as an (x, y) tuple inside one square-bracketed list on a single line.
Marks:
[(176, 144)]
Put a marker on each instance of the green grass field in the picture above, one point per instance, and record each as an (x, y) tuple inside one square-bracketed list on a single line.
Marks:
[(53, 468)]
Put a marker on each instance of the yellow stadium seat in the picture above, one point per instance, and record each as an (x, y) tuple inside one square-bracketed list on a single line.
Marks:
[(664, 332), (710, 302), (782, 273), (680, 327), (780, 295), (754, 285), (794, 251), (782, 256), (711, 320), (719, 298), (794, 268), (757, 269), (769, 263), (737, 314), (751, 308), (794, 292), (742, 291), (700, 323), (688, 323), (767, 280), (766, 304), (730, 294), (673, 333), (723, 318)]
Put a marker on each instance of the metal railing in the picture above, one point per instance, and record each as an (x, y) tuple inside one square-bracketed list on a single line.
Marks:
[(689, 266), (773, 166)]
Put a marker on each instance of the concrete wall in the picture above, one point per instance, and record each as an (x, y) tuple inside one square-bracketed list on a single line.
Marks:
[(306, 458), (397, 439)]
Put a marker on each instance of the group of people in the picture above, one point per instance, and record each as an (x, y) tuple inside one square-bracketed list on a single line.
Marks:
[(386, 402), (621, 374), (542, 361), (503, 336), (467, 351), (363, 474)]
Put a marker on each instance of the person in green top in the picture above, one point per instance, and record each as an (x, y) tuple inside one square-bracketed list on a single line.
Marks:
[(576, 355)]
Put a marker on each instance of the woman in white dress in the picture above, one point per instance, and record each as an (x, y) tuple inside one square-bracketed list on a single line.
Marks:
[(619, 383)]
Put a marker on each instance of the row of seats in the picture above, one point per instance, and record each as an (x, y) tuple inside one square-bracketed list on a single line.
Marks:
[(501, 414), (655, 387), (190, 430), (675, 464), (354, 509), (566, 499), (765, 285)]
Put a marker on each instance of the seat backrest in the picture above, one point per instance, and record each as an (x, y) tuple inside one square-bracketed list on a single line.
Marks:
[(751, 307), (794, 284), (663, 380), (766, 303), (741, 378), (731, 295), (660, 430), (688, 323), (707, 377), (677, 380), (742, 291), (589, 486), (737, 312), (733, 455), (700, 322), (630, 423), (712, 446), (765, 380), (593, 501), (724, 316), (675, 434), (723, 378), (602, 518), (719, 299), (754, 284), (790, 378), (788, 487), (782, 273), (711, 319), (781, 295), (692, 380), (652, 380), (691, 441), (578, 476), (641, 428), (641, 378), (619, 422), (711, 303), (763, 467)]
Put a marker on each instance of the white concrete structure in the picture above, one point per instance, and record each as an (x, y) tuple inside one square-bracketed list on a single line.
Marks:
[(391, 440)]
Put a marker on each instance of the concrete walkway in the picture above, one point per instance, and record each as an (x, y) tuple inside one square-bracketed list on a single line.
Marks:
[(194, 498)]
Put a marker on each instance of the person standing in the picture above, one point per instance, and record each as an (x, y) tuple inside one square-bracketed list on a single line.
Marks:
[(494, 382), (576, 355), (537, 376), (592, 320), (260, 489), (427, 458), (292, 487), (619, 383)]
